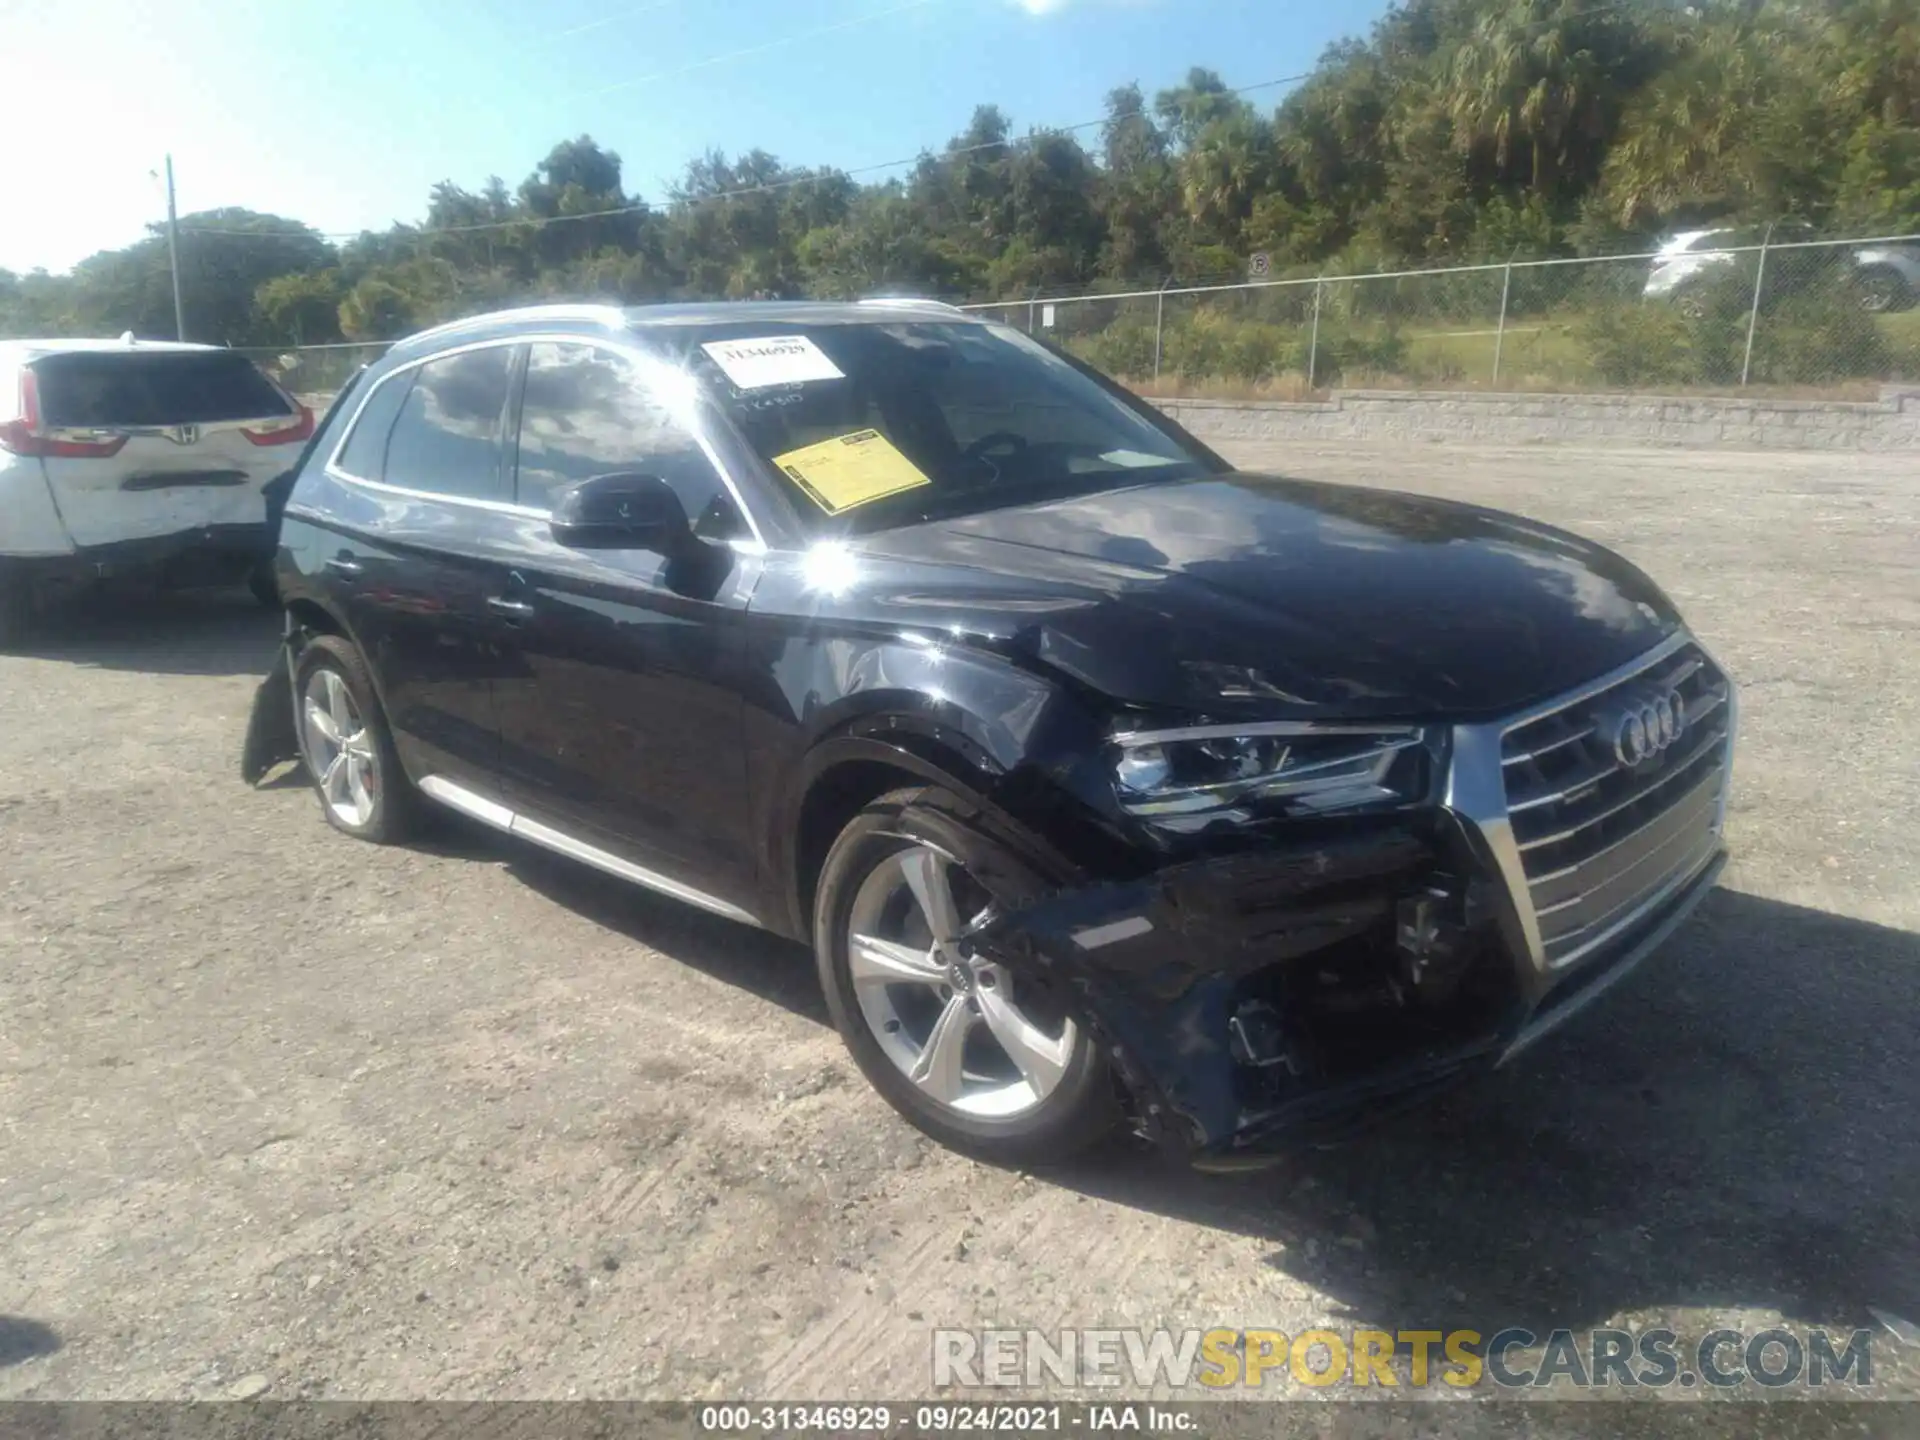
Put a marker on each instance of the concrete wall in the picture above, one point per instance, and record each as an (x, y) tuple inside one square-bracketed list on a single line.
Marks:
[(1890, 423)]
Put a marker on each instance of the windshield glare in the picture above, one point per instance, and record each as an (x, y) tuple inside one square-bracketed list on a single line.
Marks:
[(877, 425)]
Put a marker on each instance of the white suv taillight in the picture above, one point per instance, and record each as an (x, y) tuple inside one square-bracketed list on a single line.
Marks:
[(24, 436), (297, 427)]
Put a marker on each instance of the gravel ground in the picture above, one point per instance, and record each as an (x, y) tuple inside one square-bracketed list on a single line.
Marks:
[(285, 1115)]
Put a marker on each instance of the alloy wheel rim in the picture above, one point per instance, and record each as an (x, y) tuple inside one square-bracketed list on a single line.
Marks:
[(339, 750), (955, 1023)]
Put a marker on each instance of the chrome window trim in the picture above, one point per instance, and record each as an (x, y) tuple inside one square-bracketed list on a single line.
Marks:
[(642, 360), (611, 316), (1476, 791)]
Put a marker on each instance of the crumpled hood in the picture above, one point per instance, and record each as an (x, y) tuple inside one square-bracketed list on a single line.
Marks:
[(1264, 595)]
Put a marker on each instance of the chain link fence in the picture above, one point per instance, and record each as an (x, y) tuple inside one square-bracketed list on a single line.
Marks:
[(1718, 312), (1820, 318), (315, 373)]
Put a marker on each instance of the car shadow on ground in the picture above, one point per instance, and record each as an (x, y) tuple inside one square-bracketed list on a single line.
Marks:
[(764, 965), (167, 632), (22, 1340), (1733, 1127)]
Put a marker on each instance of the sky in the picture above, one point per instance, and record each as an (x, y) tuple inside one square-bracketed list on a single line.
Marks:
[(344, 114)]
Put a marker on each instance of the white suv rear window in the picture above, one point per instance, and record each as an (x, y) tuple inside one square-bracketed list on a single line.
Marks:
[(95, 391)]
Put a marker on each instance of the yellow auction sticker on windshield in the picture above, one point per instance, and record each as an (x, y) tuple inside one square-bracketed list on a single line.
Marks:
[(851, 470)]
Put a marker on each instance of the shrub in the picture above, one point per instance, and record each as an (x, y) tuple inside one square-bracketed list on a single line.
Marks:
[(1639, 345), (1810, 330), (1342, 352), (1123, 348), (1815, 335)]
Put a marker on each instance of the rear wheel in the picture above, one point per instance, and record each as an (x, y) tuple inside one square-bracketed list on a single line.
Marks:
[(982, 1058), (1883, 290), (346, 745)]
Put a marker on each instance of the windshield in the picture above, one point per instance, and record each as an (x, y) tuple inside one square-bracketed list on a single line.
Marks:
[(875, 425)]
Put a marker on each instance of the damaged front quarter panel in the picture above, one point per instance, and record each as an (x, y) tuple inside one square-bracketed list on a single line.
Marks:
[(1250, 996)]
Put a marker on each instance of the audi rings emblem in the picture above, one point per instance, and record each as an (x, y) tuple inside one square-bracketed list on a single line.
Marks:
[(1648, 726)]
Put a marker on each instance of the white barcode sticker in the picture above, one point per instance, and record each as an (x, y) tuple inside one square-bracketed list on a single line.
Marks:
[(772, 360)]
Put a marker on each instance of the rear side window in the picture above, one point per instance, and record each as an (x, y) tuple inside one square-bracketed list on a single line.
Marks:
[(365, 454), (447, 437), (94, 390)]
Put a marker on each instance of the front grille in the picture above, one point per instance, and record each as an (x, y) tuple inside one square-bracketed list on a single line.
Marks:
[(1600, 840)]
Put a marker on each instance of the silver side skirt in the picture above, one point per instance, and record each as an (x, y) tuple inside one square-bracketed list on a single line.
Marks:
[(490, 812)]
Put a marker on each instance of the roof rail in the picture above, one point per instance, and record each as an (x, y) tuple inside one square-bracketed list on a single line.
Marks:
[(610, 316), (917, 300)]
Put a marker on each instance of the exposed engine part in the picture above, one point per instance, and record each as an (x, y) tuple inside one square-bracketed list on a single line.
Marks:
[(1435, 937), (1257, 1036)]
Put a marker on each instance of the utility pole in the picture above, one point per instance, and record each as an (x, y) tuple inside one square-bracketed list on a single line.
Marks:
[(173, 255)]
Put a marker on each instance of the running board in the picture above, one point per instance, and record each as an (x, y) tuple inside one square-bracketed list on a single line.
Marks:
[(490, 812)]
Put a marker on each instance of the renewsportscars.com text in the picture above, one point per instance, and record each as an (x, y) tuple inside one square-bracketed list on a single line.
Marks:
[(1513, 1358)]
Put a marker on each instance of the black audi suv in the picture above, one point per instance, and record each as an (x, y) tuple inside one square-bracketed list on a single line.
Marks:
[(1108, 784)]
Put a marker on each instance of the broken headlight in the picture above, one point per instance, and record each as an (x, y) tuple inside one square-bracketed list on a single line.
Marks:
[(1187, 778)]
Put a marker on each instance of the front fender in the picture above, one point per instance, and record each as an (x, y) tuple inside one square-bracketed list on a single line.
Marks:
[(1025, 752)]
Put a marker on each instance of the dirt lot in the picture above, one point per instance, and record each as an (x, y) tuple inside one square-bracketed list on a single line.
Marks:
[(282, 1114)]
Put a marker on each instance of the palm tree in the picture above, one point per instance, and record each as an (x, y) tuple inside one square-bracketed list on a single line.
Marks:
[(1535, 73), (1883, 39), (1734, 121), (1229, 163)]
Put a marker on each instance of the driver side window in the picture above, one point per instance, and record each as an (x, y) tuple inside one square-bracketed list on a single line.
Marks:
[(587, 411)]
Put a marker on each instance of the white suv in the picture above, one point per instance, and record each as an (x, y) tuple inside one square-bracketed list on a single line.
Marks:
[(132, 456)]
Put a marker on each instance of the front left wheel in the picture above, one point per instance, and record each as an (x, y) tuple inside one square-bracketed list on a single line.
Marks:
[(984, 1058), (346, 745)]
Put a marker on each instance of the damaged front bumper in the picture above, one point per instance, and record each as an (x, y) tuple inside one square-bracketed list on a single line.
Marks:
[(1296, 995), (1320, 978)]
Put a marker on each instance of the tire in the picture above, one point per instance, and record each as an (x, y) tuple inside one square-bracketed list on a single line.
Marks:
[(368, 796), (1883, 290), (1044, 1097)]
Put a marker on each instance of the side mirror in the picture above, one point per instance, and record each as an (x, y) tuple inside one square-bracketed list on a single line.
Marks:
[(623, 511)]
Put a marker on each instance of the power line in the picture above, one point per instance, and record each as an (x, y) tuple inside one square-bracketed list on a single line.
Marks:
[(607, 20), (539, 222)]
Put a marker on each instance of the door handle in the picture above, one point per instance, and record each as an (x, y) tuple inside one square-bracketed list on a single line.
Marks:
[(512, 609), (341, 565)]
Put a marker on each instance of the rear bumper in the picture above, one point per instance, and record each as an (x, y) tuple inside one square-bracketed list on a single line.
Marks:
[(213, 550)]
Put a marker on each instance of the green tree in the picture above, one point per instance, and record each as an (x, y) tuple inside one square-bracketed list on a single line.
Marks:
[(303, 307), (1454, 129)]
